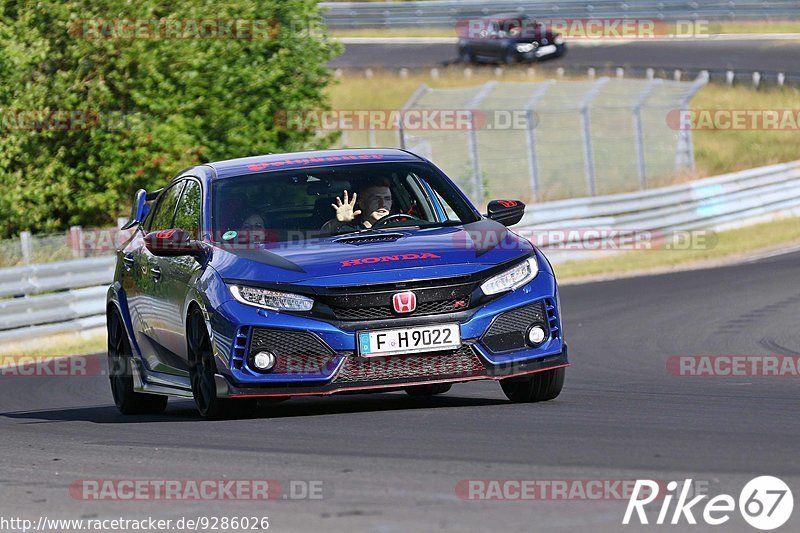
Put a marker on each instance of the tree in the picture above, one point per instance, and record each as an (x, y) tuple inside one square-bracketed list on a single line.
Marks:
[(101, 97)]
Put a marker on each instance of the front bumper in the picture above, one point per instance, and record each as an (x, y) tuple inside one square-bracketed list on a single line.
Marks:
[(319, 357), (338, 385)]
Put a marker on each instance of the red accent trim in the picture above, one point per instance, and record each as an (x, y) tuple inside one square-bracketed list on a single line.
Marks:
[(395, 385)]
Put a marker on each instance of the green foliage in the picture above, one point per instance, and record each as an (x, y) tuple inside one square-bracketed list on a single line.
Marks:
[(151, 107)]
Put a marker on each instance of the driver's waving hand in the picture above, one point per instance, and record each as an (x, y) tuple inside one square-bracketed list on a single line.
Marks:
[(370, 203)]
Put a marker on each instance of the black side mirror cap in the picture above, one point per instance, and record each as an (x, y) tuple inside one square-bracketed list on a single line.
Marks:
[(506, 212)]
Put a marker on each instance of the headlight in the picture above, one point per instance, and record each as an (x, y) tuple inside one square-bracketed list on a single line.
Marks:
[(558, 39), (512, 278), (525, 47), (272, 300)]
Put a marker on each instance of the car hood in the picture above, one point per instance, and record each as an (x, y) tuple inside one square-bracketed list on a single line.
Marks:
[(374, 257)]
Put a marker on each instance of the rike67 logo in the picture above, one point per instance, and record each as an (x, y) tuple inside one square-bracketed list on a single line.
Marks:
[(765, 503)]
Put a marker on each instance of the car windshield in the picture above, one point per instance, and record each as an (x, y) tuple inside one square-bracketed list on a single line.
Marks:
[(295, 205)]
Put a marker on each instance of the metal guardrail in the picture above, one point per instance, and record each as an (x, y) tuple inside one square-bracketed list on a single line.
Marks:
[(721, 202), (74, 300), (50, 277), (445, 13)]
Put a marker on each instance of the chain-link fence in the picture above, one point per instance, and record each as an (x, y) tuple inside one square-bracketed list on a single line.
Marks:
[(75, 243), (549, 140)]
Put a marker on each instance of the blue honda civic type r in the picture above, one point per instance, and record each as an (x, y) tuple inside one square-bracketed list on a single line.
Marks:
[(315, 273)]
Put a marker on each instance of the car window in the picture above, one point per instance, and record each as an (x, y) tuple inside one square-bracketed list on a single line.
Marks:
[(293, 205), (165, 208), (187, 215)]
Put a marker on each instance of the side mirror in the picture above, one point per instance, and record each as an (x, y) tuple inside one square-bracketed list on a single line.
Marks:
[(172, 243), (139, 209), (506, 212)]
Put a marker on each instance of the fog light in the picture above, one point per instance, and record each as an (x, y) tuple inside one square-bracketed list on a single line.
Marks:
[(536, 335), (264, 360)]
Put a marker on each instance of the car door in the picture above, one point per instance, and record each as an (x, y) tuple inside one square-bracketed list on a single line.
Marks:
[(152, 298), (177, 275), (487, 46)]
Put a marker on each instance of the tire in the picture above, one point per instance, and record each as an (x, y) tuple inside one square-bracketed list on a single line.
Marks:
[(433, 389), (467, 57), (120, 373), (540, 387), (509, 58), (202, 369)]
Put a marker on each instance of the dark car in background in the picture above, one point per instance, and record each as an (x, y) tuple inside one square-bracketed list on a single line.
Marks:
[(507, 38)]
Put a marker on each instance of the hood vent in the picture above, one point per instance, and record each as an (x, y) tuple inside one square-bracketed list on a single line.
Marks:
[(369, 239)]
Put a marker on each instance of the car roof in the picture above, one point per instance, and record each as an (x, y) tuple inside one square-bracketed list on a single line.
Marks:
[(272, 162), (507, 16)]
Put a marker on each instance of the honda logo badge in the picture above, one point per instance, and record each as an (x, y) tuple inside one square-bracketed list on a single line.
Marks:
[(404, 302)]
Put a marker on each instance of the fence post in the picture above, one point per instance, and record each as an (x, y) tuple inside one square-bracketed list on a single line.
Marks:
[(684, 154), (76, 239), (401, 133), (26, 243), (477, 181), (530, 135), (588, 153), (412, 100), (472, 138), (530, 140), (638, 130)]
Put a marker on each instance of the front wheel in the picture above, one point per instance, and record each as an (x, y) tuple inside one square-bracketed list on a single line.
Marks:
[(539, 387), (120, 373), (202, 370)]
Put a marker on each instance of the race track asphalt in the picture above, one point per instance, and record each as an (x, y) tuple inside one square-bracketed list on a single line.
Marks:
[(764, 55), (388, 462)]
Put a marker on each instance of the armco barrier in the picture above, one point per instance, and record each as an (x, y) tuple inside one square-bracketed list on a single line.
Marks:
[(728, 201), (445, 13)]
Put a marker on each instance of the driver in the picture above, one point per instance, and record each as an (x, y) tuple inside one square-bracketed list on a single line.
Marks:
[(371, 201)]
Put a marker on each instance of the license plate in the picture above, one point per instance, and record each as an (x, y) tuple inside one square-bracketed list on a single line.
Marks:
[(545, 50), (409, 340)]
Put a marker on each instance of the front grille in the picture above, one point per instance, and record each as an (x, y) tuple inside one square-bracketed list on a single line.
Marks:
[(456, 364), (303, 364), (509, 329), (435, 307), (287, 342)]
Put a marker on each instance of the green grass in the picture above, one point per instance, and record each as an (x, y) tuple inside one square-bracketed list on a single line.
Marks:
[(728, 244), (57, 345), (717, 152)]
